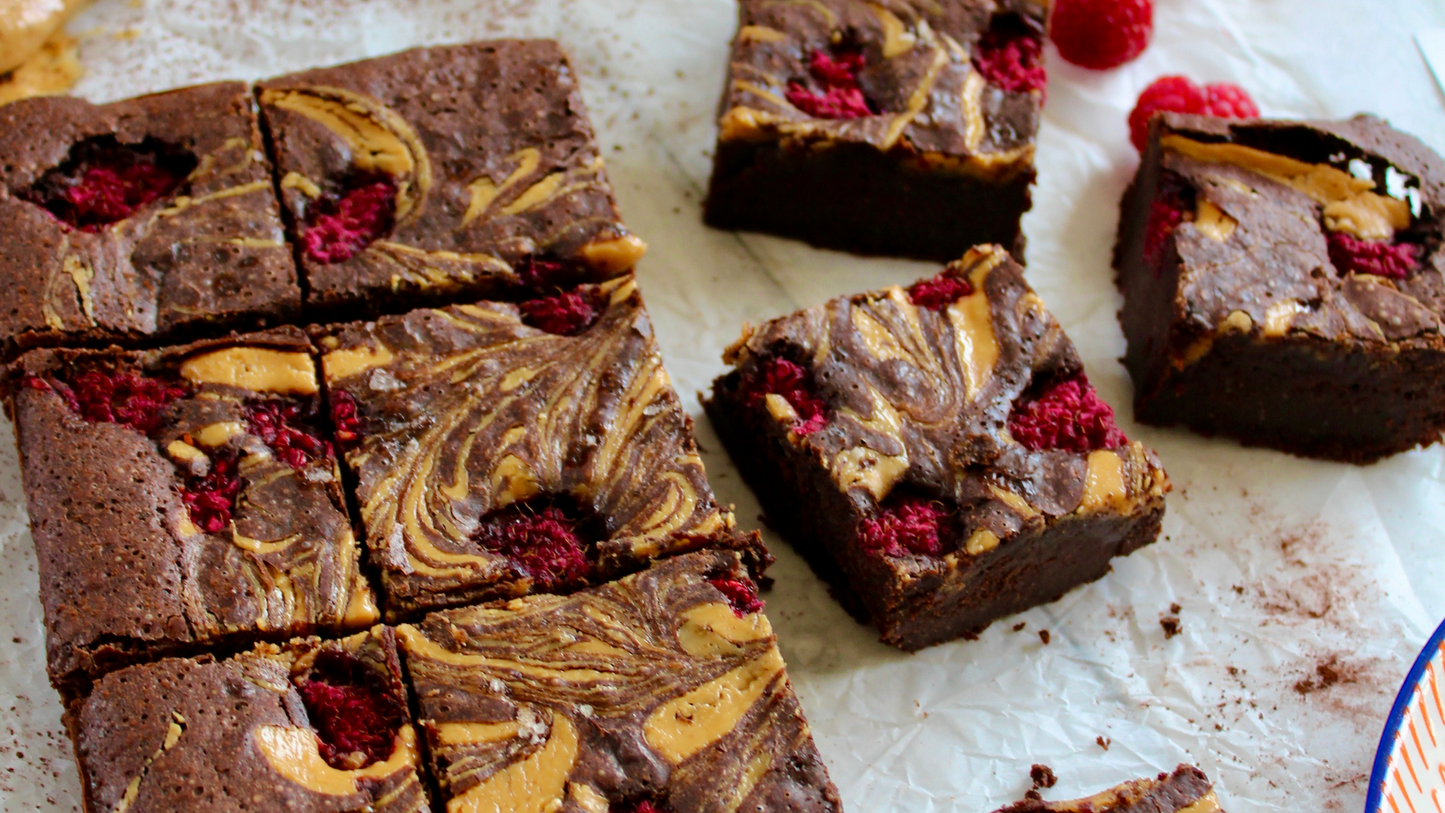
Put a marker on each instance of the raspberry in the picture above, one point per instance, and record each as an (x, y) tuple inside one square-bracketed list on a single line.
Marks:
[(1102, 34), (909, 526), (841, 98), (211, 499), (105, 195), (537, 272), (565, 314), (275, 423), (742, 595), (338, 229), (1011, 57), (1171, 206), (1068, 416), (1177, 94), (355, 716), (778, 376), (1393, 260), (344, 419), (646, 806), (543, 544), (1229, 101), (939, 292), (120, 397)]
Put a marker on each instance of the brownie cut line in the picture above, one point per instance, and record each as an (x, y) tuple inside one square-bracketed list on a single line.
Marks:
[(936, 452), (441, 174), (899, 129), (1186, 790), (182, 498), (1283, 284), (143, 220)]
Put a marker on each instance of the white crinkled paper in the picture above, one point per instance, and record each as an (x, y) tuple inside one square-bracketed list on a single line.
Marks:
[(1304, 588)]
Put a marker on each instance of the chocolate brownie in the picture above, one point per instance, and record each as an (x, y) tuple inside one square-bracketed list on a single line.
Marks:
[(1283, 284), (148, 219), (936, 451), (663, 691), (1187, 790), (881, 128), (182, 497), (442, 172), (501, 449), (309, 727)]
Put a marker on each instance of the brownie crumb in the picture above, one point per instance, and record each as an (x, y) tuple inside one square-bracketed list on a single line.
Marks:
[(1103, 741), (1175, 608), (1171, 625), (1328, 672), (1020, 625), (1044, 636), (1042, 776)]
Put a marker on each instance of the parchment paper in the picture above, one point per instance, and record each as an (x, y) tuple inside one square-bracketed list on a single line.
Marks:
[(1304, 589)]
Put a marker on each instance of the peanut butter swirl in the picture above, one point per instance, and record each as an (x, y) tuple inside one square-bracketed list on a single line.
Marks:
[(466, 410)]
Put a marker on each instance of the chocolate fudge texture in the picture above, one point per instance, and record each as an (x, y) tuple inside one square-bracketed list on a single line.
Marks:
[(501, 448), (1186, 790), (441, 172), (151, 218), (882, 128), (936, 451), (661, 691), (182, 497), (312, 727), (1283, 284)]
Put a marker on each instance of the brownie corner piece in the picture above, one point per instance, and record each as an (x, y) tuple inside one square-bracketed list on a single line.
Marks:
[(182, 498), (664, 690), (1283, 284), (900, 131), (147, 219), (442, 173), (1185, 790), (936, 452), (310, 726)]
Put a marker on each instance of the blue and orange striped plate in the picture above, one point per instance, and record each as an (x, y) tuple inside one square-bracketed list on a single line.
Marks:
[(1409, 774)]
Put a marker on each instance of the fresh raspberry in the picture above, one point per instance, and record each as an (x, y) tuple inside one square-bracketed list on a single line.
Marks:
[(119, 397), (939, 292), (1102, 34), (1068, 416), (277, 423), (1392, 260), (565, 314), (544, 544), (211, 499), (742, 595), (778, 376), (1229, 101), (338, 229), (344, 418), (1172, 205), (840, 96), (355, 716), (1011, 57), (1175, 94), (908, 526), (538, 272)]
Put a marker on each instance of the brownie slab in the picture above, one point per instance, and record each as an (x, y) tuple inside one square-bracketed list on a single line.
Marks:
[(182, 497), (310, 727), (501, 449), (437, 172), (881, 128), (1283, 284), (662, 691), (936, 452), (146, 219), (1187, 790)]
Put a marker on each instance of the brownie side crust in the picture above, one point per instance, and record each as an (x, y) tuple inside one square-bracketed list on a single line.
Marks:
[(1186, 790)]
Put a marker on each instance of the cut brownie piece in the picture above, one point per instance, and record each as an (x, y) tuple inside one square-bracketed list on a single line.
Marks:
[(936, 451), (899, 130), (1283, 284), (308, 727), (664, 691), (1187, 790), (501, 449), (182, 497), (143, 219), (442, 172)]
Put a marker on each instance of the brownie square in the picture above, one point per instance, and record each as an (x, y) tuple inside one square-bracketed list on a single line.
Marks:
[(146, 219), (936, 452), (309, 727), (881, 130), (662, 691), (1282, 284), (182, 497), (1186, 790), (501, 449), (437, 173)]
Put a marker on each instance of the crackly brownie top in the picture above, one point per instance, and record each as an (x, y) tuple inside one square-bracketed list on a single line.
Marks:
[(1330, 229), (140, 215), (663, 691), (960, 81), (233, 517), (1187, 790), (311, 726), (437, 166), (961, 389), (512, 447)]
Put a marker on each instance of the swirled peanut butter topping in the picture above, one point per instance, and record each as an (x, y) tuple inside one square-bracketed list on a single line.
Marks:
[(294, 753), (254, 368)]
